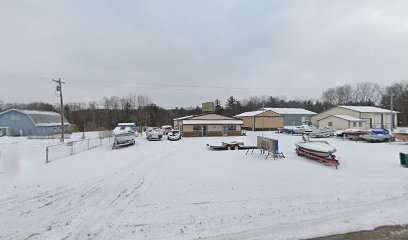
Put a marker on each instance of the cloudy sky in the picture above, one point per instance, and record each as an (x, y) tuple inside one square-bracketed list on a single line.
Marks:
[(181, 53)]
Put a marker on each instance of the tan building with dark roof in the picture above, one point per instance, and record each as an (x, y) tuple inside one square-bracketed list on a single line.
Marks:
[(208, 125)]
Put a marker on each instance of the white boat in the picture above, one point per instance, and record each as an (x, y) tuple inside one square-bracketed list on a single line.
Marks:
[(123, 135), (304, 129), (322, 132), (318, 148)]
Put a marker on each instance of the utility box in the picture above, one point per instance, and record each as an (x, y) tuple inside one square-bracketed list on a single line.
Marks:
[(404, 159)]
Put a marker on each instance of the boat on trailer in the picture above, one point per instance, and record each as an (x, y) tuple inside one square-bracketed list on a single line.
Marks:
[(376, 136), (320, 151), (353, 134)]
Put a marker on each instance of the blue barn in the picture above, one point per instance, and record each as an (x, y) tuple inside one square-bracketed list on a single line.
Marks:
[(16, 122)]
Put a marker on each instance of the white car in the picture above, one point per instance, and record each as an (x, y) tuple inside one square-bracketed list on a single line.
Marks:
[(174, 135), (154, 134)]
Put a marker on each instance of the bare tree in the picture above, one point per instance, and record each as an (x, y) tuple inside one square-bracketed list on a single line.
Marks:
[(106, 103), (367, 92), (114, 101), (131, 98), (93, 105), (143, 100), (399, 93), (344, 94)]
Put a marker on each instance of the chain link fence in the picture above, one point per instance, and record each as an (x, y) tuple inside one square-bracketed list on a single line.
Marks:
[(62, 150)]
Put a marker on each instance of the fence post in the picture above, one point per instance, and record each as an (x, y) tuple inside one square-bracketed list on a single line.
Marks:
[(72, 148), (46, 155), (100, 139), (88, 144)]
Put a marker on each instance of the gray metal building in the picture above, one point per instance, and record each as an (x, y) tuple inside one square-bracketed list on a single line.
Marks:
[(16, 122), (293, 116)]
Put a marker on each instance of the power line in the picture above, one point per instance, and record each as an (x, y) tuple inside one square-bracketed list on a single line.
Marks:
[(167, 86)]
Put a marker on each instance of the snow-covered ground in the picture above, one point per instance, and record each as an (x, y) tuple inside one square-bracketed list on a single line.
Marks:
[(181, 190)]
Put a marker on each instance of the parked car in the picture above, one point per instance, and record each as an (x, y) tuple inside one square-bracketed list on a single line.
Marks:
[(174, 135), (154, 134), (122, 135)]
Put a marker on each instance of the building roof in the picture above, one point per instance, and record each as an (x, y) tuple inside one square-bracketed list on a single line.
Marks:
[(214, 122), (126, 124), (286, 111), (182, 118), (367, 109), (251, 114), (41, 118), (191, 117), (349, 118)]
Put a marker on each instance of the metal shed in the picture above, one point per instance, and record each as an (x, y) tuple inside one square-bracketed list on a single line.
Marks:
[(293, 116), (17, 122)]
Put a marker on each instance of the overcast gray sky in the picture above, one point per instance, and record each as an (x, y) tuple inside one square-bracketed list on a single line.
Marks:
[(181, 53)]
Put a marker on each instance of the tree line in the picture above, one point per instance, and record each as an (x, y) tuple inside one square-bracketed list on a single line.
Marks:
[(140, 109)]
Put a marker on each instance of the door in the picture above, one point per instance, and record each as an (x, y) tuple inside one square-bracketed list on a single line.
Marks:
[(205, 131), (304, 120), (225, 130), (387, 121)]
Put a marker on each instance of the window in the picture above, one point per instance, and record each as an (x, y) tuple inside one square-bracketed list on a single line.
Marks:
[(354, 124), (330, 124), (196, 128), (360, 124), (232, 128)]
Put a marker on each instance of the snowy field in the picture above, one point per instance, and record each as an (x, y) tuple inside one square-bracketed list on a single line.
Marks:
[(181, 190)]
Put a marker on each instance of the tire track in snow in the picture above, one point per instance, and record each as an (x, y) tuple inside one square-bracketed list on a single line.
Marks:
[(90, 209)]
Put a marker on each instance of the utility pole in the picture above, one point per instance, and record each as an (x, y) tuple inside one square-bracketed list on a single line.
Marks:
[(392, 110), (59, 89)]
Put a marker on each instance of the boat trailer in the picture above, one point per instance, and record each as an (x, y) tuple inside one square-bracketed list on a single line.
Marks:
[(231, 146)]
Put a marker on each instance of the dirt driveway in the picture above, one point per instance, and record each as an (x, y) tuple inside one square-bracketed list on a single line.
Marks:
[(399, 232)]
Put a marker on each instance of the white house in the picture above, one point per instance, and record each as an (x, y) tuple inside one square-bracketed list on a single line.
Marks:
[(362, 117)]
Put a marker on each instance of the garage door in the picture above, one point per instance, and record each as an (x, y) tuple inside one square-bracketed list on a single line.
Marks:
[(377, 121), (387, 121)]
